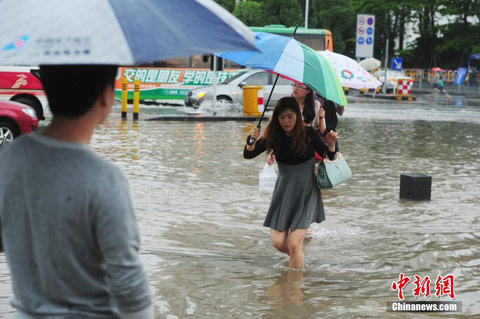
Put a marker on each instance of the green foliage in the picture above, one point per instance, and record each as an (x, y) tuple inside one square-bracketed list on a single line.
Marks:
[(408, 56), (227, 4), (250, 13), (455, 48), (338, 17), (446, 31), (286, 12)]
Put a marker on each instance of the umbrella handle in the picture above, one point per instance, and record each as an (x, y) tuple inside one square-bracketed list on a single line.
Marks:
[(250, 140)]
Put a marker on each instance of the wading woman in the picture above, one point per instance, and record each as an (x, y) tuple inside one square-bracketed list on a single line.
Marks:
[(296, 200)]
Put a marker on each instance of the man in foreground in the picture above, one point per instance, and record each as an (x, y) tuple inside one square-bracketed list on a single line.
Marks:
[(67, 223)]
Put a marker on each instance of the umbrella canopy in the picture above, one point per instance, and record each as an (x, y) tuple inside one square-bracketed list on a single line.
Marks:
[(115, 32), (370, 64), (437, 69), (350, 73), (293, 60), (473, 57)]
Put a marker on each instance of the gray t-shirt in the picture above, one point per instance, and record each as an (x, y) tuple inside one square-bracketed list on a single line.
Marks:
[(68, 231)]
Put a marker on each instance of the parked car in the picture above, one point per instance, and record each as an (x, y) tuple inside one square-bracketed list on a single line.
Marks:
[(392, 77), (16, 119), (230, 90)]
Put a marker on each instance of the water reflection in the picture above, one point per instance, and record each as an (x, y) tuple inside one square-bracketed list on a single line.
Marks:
[(286, 290)]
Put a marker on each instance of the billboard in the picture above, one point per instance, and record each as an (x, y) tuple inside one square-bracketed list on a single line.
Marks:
[(167, 83)]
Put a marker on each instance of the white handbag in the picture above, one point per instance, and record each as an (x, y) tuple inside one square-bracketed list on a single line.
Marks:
[(267, 178)]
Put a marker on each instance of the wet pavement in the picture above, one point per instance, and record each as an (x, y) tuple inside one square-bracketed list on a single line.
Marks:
[(200, 214)]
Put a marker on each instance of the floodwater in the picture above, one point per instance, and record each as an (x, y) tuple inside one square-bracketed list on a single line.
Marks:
[(200, 215)]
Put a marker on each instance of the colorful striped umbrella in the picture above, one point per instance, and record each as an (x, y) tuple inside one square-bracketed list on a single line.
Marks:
[(292, 60)]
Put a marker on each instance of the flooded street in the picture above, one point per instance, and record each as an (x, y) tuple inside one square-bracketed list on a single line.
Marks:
[(200, 215)]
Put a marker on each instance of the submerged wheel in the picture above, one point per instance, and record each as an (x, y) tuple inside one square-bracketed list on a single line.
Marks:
[(224, 99)]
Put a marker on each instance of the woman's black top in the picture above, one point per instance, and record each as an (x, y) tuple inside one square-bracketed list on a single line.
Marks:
[(286, 154)]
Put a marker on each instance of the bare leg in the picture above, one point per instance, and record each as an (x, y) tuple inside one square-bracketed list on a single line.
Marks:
[(295, 243), (279, 240)]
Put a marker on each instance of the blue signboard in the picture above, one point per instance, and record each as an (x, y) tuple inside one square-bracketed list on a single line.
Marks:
[(397, 64), (460, 77)]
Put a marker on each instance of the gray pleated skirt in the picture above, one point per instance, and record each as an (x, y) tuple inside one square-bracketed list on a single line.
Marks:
[(296, 200)]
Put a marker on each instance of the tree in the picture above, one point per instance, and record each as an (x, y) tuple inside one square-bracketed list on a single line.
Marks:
[(446, 44), (286, 12), (227, 4), (337, 16), (459, 36), (250, 13)]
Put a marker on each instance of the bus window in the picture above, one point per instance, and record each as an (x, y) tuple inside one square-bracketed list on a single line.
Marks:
[(317, 39), (231, 65), (197, 62), (178, 63), (316, 42)]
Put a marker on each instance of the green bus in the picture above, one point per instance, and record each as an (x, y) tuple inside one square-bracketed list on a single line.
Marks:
[(317, 39)]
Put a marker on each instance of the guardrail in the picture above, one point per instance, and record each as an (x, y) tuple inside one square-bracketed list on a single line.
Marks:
[(429, 75)]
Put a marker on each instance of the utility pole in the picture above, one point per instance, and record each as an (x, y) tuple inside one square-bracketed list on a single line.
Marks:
[(306, 13), (386, 65), (214, 102)]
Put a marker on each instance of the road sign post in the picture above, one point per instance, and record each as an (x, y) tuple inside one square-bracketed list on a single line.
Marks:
[(365, 35)]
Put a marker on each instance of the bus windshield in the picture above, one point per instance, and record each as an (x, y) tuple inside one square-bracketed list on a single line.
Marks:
[(317, 39), (316, 42)]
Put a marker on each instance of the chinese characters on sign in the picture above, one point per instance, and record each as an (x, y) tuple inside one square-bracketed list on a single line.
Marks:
[(444, 286), (163, 83), (174, 76)]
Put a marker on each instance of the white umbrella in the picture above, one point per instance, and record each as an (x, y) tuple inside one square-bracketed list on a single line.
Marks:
[(116, 32), (350, 73), (370, 64)]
